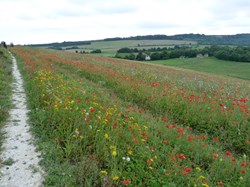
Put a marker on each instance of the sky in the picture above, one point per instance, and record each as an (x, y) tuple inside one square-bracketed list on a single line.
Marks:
[(47, 21)]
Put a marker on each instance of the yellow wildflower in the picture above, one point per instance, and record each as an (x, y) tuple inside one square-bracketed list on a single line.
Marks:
[(103, 172), (205, 185), (106, 136), (114, 153), (202, 177), (115, 178), (130, 152), (198, 168)]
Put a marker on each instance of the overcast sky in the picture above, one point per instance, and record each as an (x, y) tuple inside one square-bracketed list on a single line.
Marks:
[(45, 21)]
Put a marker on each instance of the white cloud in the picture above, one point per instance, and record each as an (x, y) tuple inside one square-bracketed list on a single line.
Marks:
[(43, 21)]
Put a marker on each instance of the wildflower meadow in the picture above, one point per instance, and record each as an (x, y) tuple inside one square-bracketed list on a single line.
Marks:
[(111, 122)]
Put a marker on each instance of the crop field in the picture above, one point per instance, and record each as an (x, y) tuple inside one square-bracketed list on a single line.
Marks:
[(111, 122), (115, 45), (211, 65)]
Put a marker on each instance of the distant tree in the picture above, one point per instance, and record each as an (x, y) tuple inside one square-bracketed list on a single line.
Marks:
[(176, 47), (96, 51), (131, 56), (156, 56), (140, 56), (73, 47), (136, 50), (165, 55), (125, 50)]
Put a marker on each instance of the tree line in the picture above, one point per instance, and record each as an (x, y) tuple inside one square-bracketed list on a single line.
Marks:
[(239, 54), (58, 45), (202, 39)]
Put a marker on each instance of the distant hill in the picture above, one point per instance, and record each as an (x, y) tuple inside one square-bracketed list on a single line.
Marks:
[(201, 39), (62, 44), (238, 39)]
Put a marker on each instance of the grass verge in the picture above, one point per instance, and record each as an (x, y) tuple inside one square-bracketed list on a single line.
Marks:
[(5, 89)]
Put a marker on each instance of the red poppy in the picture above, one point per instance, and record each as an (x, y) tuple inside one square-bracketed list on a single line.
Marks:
[(228, 153), (190, 138), (143, 133), (92, 110), (220, 183), (165, 119), (215, 155), (180, 129), (56, 139), (126, 182), (187, 170), (115, 124), (182, 156), (216, 139)]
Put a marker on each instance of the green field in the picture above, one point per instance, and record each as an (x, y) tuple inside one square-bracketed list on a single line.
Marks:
[(211, 65)]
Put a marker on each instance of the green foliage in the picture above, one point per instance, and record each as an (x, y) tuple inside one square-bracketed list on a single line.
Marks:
[(239, 54), (96, 51), (140, 56), (73, 47)]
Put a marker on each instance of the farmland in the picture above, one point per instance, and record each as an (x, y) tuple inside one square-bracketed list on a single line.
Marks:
[(110, 122), (113, 46)]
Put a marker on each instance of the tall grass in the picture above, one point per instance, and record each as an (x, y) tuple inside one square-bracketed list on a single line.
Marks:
[(5, 88), (94, 136)]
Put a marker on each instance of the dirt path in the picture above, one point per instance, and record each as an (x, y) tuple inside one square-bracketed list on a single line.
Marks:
[(21, 159)]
